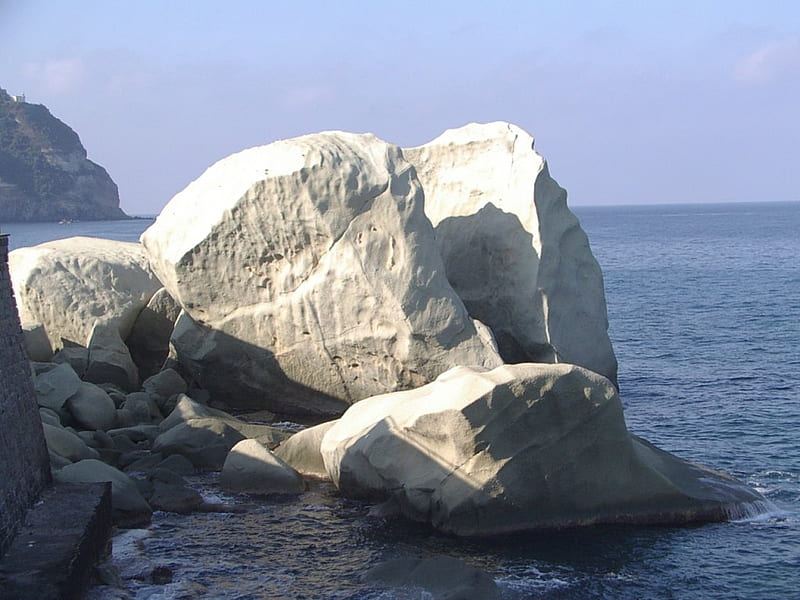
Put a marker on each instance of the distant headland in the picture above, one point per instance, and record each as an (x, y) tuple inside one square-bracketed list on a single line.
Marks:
[(44, 172)]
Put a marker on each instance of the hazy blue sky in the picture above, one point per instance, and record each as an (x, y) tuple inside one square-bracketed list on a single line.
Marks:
[(630, 101)]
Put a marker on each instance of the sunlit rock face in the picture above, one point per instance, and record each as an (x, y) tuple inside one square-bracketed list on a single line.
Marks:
[(68, 285), (513, 251), (310, 277), (518, 448)]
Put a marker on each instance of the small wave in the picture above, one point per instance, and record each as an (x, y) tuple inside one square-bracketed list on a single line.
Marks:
[(759, 511), (288, 426)]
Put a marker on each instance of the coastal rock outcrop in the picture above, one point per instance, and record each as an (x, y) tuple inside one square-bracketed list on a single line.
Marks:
[(513, 251), (68, 285), (44, 172), (327, 286), (521, 447)]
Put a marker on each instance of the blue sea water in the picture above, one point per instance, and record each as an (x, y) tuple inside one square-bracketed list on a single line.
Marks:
[(704, 313)]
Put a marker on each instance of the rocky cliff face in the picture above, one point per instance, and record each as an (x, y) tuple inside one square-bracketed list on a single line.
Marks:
[(44, 172)]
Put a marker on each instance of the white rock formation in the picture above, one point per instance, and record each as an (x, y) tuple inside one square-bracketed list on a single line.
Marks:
[(251, 468), (518, 448), (310, 270), (67, 285), (513, 251), (301, 451)]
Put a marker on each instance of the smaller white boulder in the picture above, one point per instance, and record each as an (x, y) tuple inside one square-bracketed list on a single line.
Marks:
[(109, 358), (302, 451), (252, 468), (66, 285)]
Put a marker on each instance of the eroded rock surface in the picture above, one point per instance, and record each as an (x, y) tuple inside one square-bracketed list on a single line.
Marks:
[(308, 270), (67, 285), (513, 250), (518, 448)]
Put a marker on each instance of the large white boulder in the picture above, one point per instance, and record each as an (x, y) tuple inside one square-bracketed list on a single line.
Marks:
[(309, 271), (66, 285), (513, 250), (518, 448)]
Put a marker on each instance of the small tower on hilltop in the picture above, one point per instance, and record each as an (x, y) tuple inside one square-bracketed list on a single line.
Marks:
[(18, 97)]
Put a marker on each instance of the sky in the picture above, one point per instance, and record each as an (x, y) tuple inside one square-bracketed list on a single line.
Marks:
[(630, 102)]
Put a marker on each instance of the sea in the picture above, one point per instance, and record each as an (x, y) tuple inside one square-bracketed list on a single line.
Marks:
[(704, 315)]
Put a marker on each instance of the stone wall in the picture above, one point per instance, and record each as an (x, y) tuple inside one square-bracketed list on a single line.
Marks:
[(24, 463)]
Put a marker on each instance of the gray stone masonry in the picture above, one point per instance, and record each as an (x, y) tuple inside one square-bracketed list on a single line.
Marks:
[(24, 462)]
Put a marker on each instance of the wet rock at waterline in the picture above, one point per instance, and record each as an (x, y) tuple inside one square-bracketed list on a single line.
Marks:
[(205, 442), (66, 444), (514, 252), (252, 468), (518, 448), (327, 282), (302, 451), (444, 577)]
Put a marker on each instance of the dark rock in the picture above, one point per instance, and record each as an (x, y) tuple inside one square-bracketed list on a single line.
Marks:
[(149, 337), (37, 344), (55, 386), (146, 462), (75, 356), (161, 575), (445, 577), (177, 464), (143, 408), (174, 498), (92, 408), (109, 358)]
